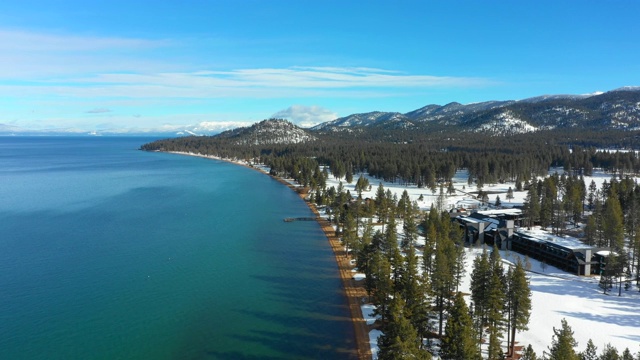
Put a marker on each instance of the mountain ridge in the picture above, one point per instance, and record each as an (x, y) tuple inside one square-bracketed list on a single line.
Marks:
[(616, 109)]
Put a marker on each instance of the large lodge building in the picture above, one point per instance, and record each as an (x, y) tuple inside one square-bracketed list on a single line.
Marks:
[(502, 227)]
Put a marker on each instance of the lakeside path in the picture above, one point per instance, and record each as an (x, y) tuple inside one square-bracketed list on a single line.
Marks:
[(354, 291)]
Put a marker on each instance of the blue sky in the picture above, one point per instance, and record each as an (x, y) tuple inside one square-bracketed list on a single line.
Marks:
[(94, 66)]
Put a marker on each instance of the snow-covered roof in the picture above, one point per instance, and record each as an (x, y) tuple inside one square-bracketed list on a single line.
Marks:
[(509, 211), (491, 223), (568, 242)]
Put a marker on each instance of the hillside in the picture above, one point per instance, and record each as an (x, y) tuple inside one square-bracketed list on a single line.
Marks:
[(613, 110)]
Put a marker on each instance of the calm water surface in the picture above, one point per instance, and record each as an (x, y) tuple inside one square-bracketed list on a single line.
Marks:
[(107, 252)]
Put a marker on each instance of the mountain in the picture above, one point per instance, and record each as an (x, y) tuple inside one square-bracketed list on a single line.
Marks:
[(392, 120), (614, 110), (272, 131)]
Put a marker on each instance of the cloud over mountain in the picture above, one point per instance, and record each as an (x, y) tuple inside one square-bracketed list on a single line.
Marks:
[(306, 116)]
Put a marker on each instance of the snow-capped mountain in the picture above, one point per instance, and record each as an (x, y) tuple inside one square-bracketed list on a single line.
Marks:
[(616, 109)]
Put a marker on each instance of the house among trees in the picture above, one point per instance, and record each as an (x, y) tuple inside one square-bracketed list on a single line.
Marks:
[(502, 228), (490, 226)]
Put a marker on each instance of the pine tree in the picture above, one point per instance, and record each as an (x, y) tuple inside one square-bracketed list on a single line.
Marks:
[(548, 199), (532, 205), (404, 205), (609, 353), (442, 278), (349, 174), (495, 304), (410, 229), (364, 242), (431, 239), (361, 185), (591, 196), (612, 223), (480, 280), (459, 262), (378, 282), (459, 341), (414, 293), (528, 354), (391, 235), (350, 232), (381, 204), (399, 339), (591, 230), (441, 201), (590, 353), (510, 194), (519, 302), (562, 344)]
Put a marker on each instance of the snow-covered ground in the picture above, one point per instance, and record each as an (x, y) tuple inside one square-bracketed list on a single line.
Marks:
[(591, 314), (606, 319)]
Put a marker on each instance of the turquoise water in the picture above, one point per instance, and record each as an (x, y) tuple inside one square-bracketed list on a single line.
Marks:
[(107, 252)]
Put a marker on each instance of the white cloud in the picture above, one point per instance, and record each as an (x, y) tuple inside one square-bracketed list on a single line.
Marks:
[(250, 83), (306, 116), (85, 66)]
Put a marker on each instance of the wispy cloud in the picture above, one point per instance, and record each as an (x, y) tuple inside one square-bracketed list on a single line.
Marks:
[(250, 83), (76, 65)]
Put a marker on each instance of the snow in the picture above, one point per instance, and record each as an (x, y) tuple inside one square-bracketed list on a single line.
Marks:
[(556, 294), (359, 276), (591, 314), (507, 123), (368, 315), (566, 241), (463, 197), (373, 340)]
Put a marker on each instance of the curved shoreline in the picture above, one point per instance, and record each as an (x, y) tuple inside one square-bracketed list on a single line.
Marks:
[(354, 292)]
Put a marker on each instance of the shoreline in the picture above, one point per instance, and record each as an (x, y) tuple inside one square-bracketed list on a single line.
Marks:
[(352, 290)]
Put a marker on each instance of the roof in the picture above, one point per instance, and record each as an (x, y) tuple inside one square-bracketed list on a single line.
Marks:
[(568, 242), (497, 212), (477, 218)]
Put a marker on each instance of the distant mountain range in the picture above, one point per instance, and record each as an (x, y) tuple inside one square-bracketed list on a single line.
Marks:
[(617, 109)]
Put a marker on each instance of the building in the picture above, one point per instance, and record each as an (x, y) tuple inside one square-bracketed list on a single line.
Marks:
[(564, 252), (502, 228)]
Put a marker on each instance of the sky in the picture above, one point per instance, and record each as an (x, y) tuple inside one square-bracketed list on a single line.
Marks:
[(161, 65)]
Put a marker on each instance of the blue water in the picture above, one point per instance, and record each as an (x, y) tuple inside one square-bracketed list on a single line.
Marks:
[(107, 252)]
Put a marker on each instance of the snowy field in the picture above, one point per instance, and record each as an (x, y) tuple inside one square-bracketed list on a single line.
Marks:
[(606, 319)]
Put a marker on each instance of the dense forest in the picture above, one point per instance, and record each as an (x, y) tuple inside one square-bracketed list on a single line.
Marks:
[(425, 159)]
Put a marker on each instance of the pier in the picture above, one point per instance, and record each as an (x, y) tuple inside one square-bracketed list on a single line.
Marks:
[(300, 219)]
